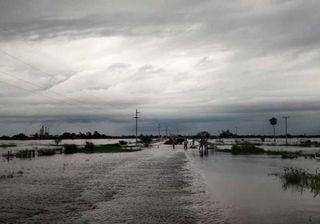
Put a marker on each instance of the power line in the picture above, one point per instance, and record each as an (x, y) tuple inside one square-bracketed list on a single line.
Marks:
[(286, 127), (33, 67), (38, 86), (25, 63), (46, 96)]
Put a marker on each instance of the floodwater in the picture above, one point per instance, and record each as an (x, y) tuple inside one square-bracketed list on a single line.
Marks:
[(47, 144), (156, 185), (251, 194)]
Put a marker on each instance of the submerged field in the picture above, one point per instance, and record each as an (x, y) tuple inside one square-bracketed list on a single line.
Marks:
[(159, 185)]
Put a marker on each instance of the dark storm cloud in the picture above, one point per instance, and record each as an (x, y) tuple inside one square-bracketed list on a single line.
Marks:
[(269, 24)]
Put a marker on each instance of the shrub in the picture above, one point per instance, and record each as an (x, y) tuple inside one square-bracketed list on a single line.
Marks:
[(57, 141), (246, 148), (121, 142), (89, 146), (146, 140), (70, 148), (46, 152)]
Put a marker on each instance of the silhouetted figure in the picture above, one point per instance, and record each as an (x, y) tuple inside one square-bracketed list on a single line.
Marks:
[(173, 143), (201, 146), (205, 146), (185, 144)]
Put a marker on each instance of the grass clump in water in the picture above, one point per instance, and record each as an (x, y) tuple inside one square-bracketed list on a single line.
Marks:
[(300, 180), (246, 148)]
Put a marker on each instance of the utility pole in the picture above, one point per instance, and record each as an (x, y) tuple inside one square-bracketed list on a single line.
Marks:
[(286, 127), (159, 131), (137, 117), (166, 131)]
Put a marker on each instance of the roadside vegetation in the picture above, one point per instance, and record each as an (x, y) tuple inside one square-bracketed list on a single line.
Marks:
[(92, 148), (48, 152), (89, 147), (7, 145), (247, 148), (309, 143)]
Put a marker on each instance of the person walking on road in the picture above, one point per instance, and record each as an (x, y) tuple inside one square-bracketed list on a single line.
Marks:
[(185, 144), (173, 142)]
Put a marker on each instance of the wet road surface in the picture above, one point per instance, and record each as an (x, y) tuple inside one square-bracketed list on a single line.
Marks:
[(157, 185)]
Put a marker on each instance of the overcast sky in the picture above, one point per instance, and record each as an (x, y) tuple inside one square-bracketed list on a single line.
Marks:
[(190, 65)]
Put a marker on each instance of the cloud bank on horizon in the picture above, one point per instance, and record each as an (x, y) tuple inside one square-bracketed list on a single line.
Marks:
[(190, 65)]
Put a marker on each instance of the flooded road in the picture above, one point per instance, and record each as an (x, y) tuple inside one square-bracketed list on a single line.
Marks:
[(155, 185)]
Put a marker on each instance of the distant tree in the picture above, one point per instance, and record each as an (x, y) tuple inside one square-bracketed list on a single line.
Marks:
[(89, 146), (73, 135), (20, 136), (203, 134), (273, 121), (96, 135), (88, 134), (82, 135), (5, 137), (226, 134), (66, 135), (146, 139)]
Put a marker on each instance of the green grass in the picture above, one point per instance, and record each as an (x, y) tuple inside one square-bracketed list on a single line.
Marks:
[(300, 180), (246, 148), (3, 145), (46, 152), (91, 148), (309, 143)]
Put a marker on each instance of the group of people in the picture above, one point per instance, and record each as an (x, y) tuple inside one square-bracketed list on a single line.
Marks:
[(203, 144)]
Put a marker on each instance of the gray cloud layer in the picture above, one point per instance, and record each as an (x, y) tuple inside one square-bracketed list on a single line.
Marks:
[(194, 64)]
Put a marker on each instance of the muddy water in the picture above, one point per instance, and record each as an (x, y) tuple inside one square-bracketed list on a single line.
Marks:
[(156, 185), (244, 186)]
